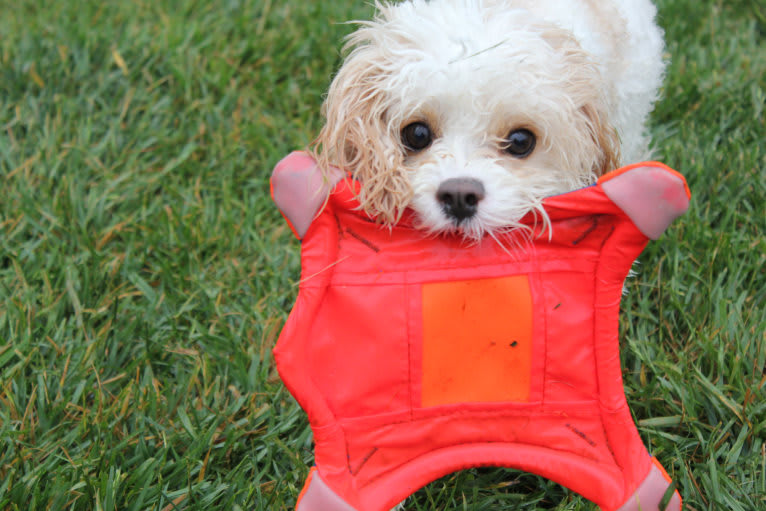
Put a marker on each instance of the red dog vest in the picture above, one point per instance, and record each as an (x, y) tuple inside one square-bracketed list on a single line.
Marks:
[(418, 356)]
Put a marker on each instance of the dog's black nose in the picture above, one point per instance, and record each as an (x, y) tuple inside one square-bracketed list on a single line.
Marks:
[(460, 197)]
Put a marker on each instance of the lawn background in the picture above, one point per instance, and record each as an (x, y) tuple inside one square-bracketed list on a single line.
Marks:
[(145, 274)]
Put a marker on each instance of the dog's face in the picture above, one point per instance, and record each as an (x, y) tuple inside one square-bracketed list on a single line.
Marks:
[(468, 113)]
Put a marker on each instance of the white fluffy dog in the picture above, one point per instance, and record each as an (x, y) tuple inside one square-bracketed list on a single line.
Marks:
[(470, 112)]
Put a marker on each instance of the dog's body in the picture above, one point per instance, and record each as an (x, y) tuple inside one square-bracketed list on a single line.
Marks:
[(470, 112)]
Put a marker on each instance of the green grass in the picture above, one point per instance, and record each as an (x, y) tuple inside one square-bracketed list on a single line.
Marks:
[(145, 274)]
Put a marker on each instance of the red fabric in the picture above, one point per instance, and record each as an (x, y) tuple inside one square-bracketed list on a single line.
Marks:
[(360, 352)]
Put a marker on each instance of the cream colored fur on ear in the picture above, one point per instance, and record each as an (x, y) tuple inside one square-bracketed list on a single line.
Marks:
[(357, 138)]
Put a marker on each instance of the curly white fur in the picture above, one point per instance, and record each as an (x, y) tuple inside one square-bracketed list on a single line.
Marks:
[(581, 75)]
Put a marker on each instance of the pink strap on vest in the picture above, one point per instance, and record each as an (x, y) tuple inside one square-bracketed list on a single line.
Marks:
[(299, 189), (651, 194)]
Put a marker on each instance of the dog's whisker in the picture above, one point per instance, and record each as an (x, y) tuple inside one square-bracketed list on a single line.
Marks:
[(500, 244)]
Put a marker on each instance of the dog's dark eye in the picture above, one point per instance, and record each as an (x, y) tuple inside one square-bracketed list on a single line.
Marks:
[(520, 143), (417, 136)]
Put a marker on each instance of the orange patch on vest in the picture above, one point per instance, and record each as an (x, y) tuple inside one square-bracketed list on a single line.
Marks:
[(477, 341)]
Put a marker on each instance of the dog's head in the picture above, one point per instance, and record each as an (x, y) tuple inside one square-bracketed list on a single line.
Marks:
[(469, 112)]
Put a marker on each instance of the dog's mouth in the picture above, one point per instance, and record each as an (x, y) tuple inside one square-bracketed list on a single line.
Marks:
[(470, 207)]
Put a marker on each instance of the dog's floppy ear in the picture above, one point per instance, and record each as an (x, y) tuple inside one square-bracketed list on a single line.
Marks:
[(582, 78), (605, 137), (358, 139)]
